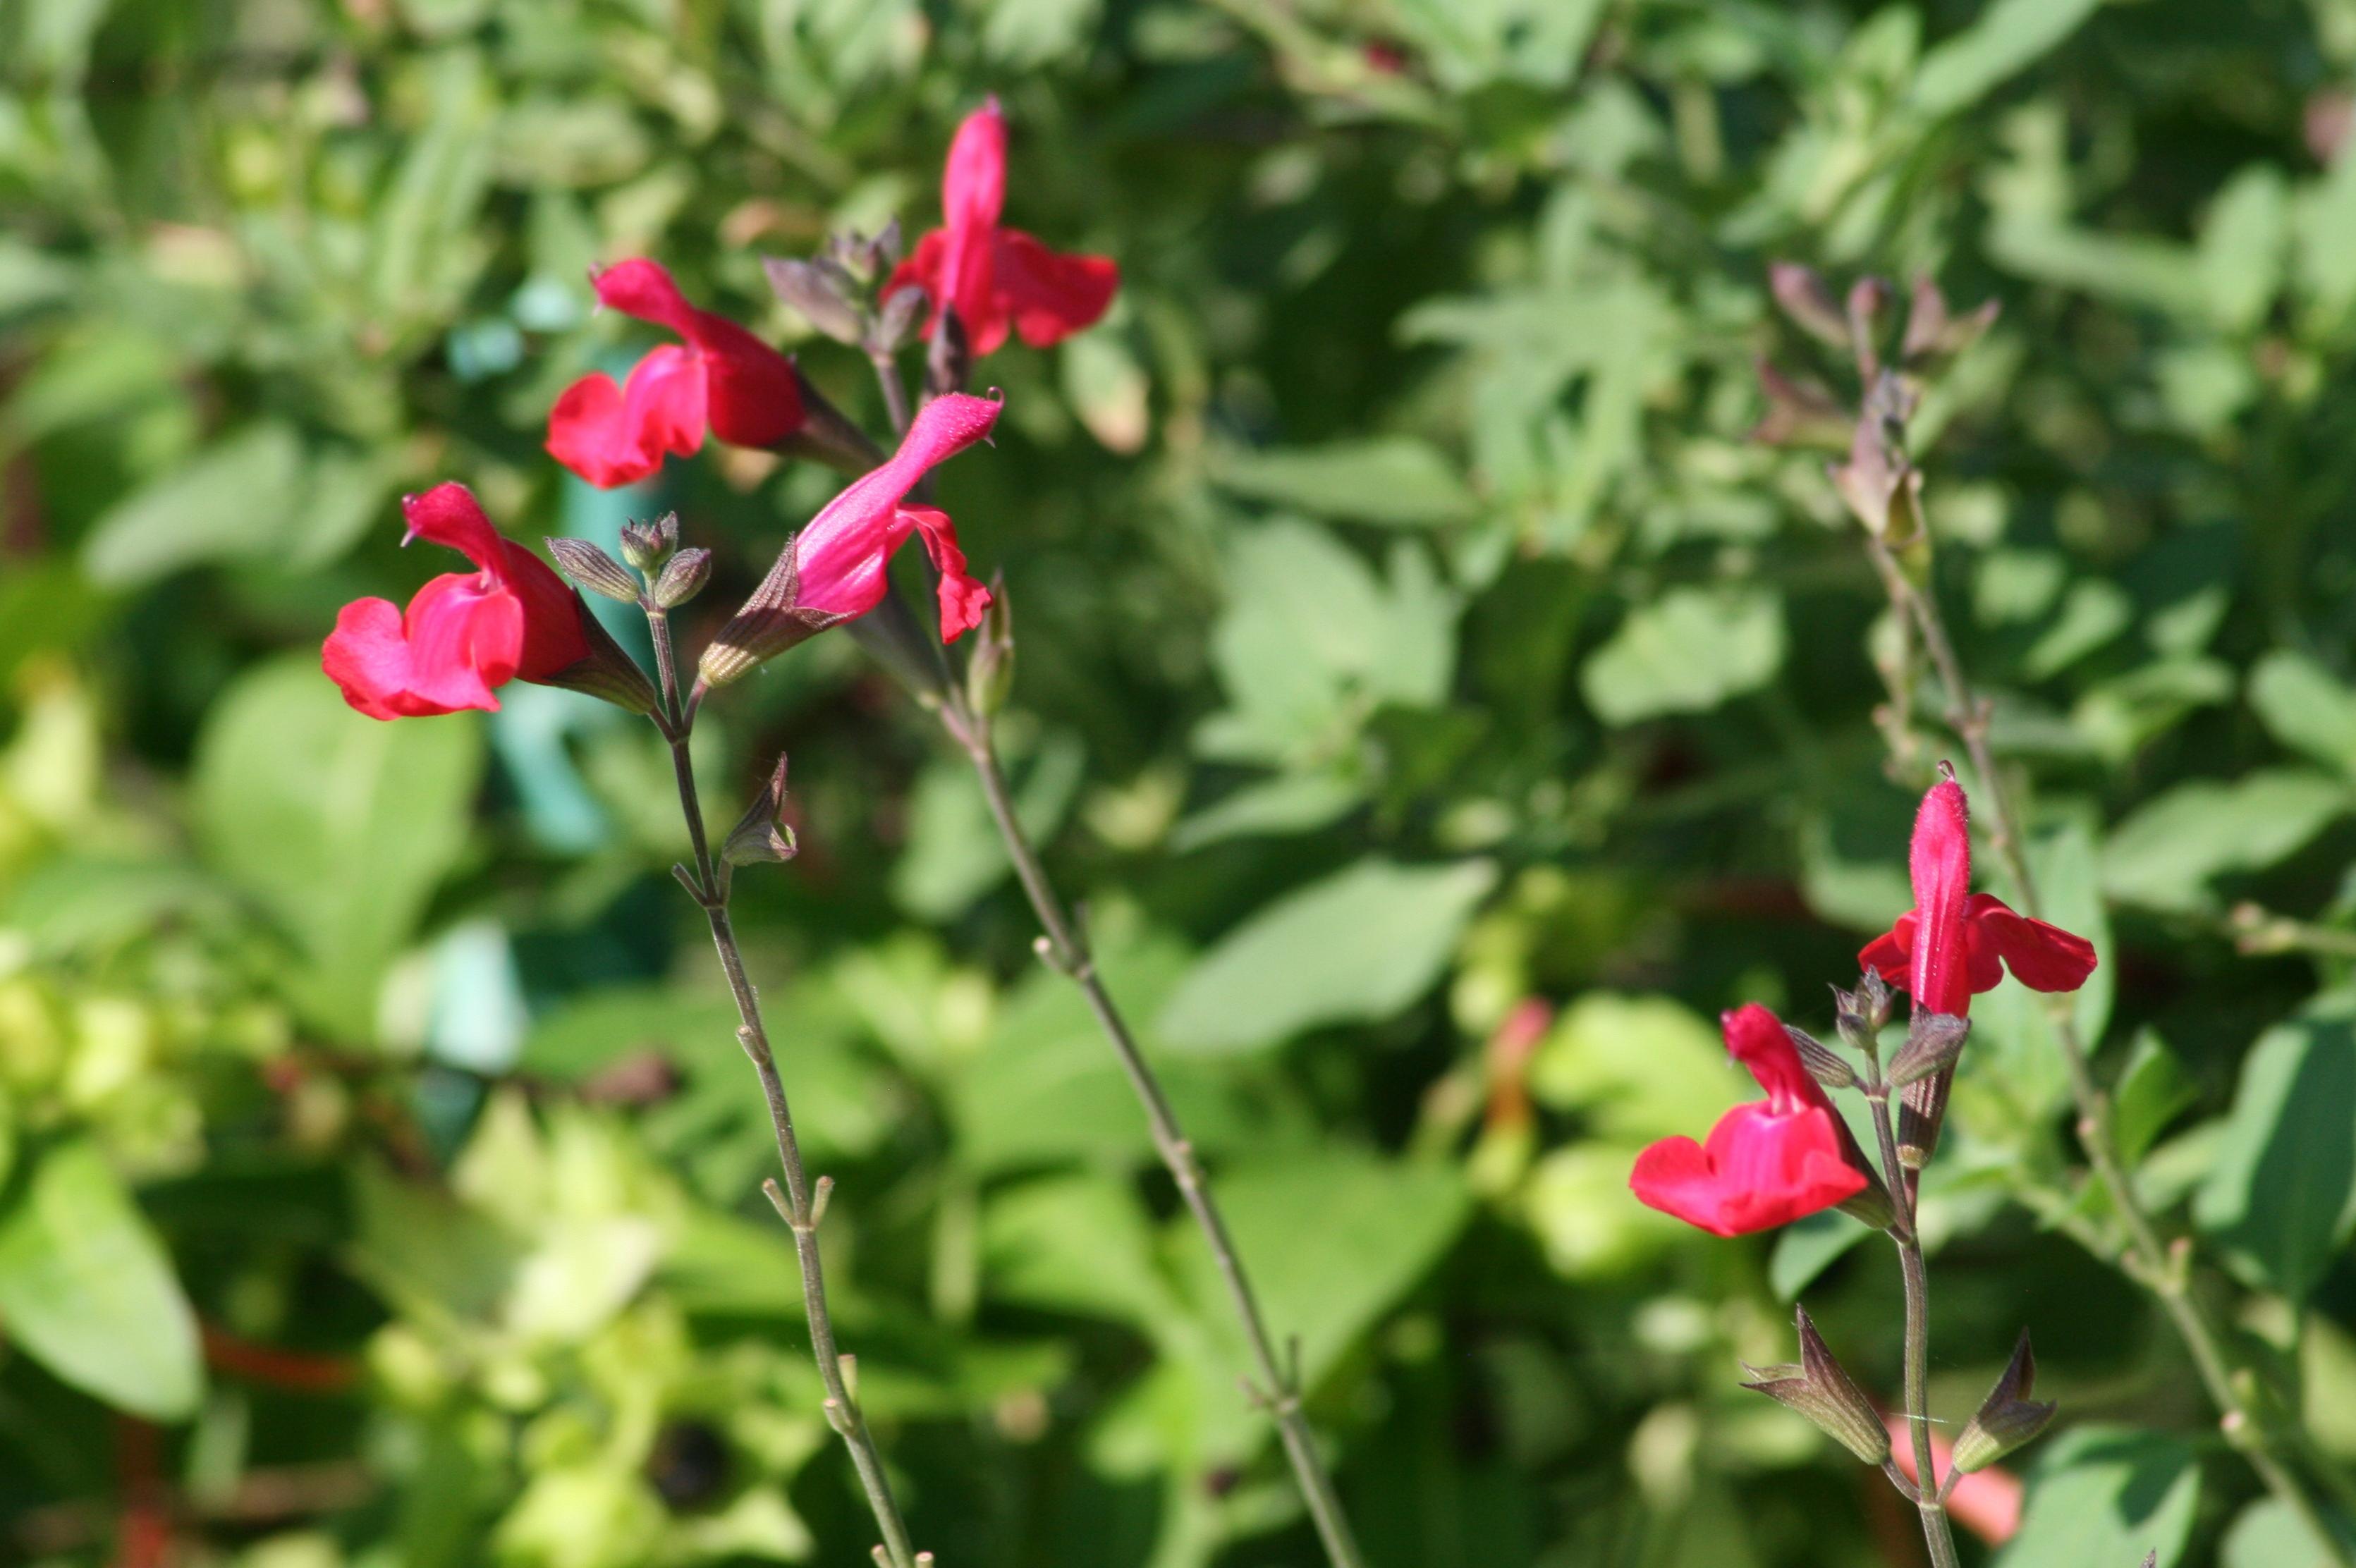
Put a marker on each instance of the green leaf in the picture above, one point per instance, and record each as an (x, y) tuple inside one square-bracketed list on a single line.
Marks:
[(2166, 854), (1635, 1068), (1685, 652), (2269, 1533), (2152, 1091), (1332, 1237), (1806, 1248), (953, 854), (2244, 244), (1046, 1087), (2306, 708), (341, 826), (1393, 480), (87, 1289), (1290, 803), (233, 499), (2108, 1494), (2281, 1198), (2009, 37), (1360, 945)]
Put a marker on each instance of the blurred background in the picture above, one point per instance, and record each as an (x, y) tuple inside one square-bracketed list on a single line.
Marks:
[(1440, 702)]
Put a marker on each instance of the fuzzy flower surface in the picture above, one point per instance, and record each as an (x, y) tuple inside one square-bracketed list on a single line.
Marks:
[(464, 634), (720, 378), (998, 279), (1955, 943), (1766, 1163)]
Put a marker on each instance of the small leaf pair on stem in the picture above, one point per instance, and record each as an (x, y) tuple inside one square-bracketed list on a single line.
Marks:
[(1771, 1162)]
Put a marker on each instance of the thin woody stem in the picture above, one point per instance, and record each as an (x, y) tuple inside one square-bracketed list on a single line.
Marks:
[(2166, 1270), (800, 1204), (1929, 1497), (1065, 951)]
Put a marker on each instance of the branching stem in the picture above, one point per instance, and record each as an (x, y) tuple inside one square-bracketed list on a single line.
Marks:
[(2165, 1270), (799, 1204)]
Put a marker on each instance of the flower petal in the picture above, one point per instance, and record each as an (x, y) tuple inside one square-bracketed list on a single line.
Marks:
[(752, 393), (644, 289), (464, 637), (553, 637), (963, 599), (1890, 952), (1940, 860), (1757, 1039), (449, 515), (1048, 295), (2041, 957), (841, 555), (366, 658)]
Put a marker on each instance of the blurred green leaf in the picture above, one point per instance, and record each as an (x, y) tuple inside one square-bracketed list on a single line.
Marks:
[(2281, 1197), (2306, 708), (87, 1289), (2004, 39), (2269, 1533), (2168, 852), (2153, 1090), (1361, 945), (1685, 652), (1394, 480), (341, 826), (235, 499), (2107, 1494), (954, 853)]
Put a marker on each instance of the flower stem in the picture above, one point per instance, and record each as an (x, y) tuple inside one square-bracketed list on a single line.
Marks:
[(1065, 951), (799, 1204), (2166, 1271), (1929, 1498)]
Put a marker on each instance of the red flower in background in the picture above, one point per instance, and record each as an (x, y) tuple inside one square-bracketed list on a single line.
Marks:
[(1767, 1163), (996, 277), (723, 376), (464, 633), (1954, 943)]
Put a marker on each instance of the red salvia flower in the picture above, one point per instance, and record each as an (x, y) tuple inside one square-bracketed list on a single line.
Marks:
[(464, 633), (1954, 943), (722, 377), (1767, 1163), (996, 277), (837, 569)]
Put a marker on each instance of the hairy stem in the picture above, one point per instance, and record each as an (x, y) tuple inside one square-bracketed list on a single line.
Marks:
[(2167, 1272), (799, 1204), (1065, 951), (1929, 1498)]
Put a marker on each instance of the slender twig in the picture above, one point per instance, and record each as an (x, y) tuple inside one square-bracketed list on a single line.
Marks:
[(801, 1204), (2166, 1270), (1065, 951), (1929, 1496)]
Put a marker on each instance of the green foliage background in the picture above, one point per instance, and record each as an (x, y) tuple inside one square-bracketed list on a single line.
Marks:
[(1407, 627)]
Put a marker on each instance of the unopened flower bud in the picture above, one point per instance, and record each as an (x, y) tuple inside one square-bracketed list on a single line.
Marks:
[(903, 308), (819, 294), (1820, 1390), (2007, 1418), (682, 577), (1823, 1066), (647, 545), (760, 835), (990, 675), (1934, 1041), (587, 567)]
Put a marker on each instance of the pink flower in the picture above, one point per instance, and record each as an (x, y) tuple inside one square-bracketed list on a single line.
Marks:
[(1767, 1163), (992, 275), (1954, 943), (838, 567), (466, 632), (724, 376)]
